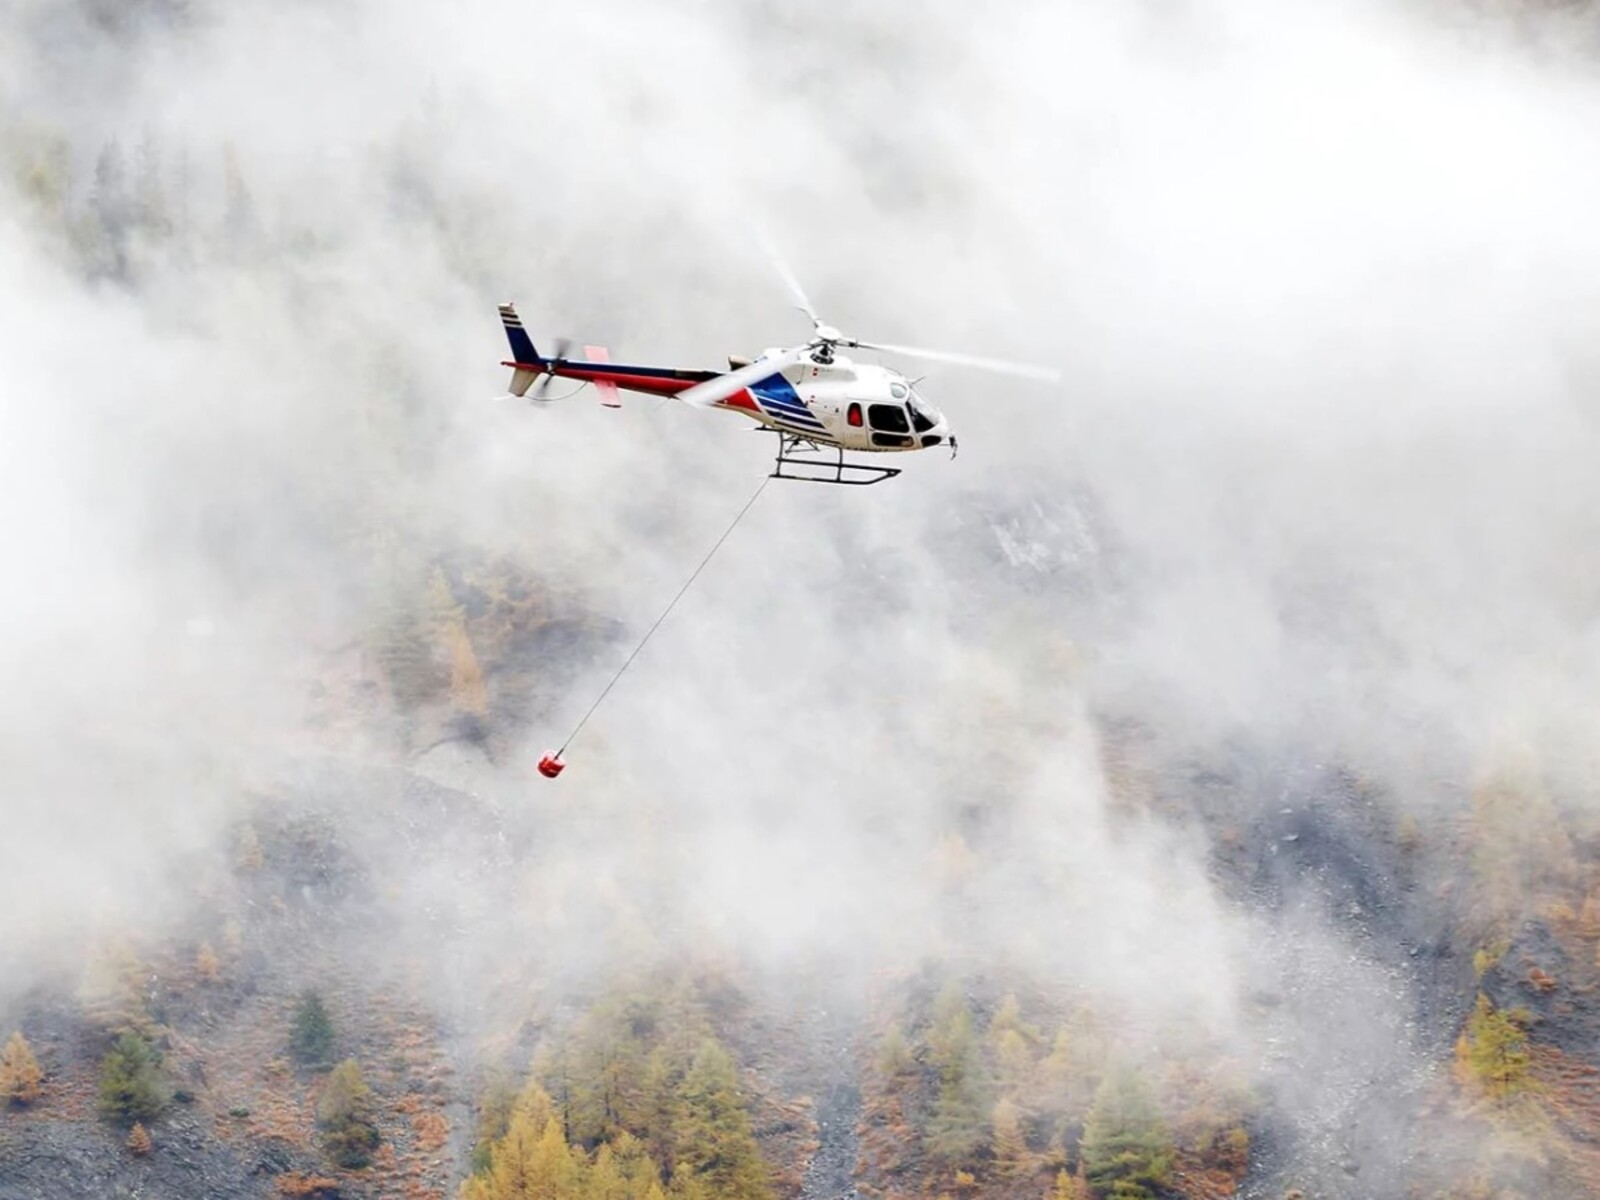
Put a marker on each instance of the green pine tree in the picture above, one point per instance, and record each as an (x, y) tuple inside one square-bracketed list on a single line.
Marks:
[(311, 1035), (132, 1087), (1127, 1151)]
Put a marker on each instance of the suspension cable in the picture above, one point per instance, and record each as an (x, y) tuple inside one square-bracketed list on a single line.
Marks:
[(761, 487)]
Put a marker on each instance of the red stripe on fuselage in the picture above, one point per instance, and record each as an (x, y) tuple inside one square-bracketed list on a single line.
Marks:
[(664, 384)]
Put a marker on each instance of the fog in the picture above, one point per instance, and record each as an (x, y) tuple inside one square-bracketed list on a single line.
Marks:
[(1322, 280)]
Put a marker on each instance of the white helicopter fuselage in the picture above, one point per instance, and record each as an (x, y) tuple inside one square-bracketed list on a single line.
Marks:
[(834, 401)]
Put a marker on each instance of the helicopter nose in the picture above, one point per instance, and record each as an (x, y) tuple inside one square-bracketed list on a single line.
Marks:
[(938, 435)]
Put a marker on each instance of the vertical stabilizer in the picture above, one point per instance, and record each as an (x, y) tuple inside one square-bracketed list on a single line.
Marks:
[(525, 361)]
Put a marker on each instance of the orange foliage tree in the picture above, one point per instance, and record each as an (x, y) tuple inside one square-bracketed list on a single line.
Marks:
[(20, 1075)]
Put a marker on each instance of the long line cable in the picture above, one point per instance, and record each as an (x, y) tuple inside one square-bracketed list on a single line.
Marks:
[(761, 487)]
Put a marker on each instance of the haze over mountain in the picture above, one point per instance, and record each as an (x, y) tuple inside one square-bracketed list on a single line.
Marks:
[(1238, 690)]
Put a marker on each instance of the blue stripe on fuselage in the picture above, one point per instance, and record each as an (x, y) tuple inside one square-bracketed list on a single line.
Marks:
[(776, 387), (777, 395)]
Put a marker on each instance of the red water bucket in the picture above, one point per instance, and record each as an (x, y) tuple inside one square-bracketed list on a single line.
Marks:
[(551, 765)]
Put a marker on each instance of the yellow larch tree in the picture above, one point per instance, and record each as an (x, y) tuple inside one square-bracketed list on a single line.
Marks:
[(20, 1075), (1011, 1157)]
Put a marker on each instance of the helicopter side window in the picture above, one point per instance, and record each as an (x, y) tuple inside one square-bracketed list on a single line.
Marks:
[(853, 415), (892, 440), (890, 418)]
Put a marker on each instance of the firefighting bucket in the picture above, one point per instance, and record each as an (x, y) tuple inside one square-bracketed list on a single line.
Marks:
[(551, 765)]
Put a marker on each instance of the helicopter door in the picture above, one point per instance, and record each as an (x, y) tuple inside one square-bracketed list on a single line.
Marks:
[(890, 428)]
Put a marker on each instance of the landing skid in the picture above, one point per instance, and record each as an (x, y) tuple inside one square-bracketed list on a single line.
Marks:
[(811, 463)]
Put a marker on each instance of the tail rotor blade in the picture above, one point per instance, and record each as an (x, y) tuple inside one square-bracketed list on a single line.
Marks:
[(541, 388), (703, 395)]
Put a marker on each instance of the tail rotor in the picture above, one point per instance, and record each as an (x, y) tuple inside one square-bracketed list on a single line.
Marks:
[(542, 388)]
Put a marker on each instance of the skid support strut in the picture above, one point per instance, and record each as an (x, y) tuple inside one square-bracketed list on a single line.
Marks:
[(805, 460)]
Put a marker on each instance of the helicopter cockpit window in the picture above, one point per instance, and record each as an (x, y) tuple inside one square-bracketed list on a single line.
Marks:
[(888, 417), (922, 418)]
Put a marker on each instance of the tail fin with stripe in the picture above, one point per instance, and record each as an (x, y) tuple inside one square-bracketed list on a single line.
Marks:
[(525, 361)]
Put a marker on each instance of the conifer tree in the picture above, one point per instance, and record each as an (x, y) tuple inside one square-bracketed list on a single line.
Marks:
[(132, 1087), (207, 965), (663, 1101), (139, 1143), (533, 1161), (894, 1055), (715, 1145), (959, 1125), (344, 1115), (505, 1174), (20, 1075), (1494, 1050), (534, 1105), (606, 1181), (1127, 1151), (1008, 1019), (690, 1187), (1015, 1066), (311, 1035), (640, 1175), (556, 1171), (1066, 1079), (1011, 1158), (610, 1072), (494, 1118)]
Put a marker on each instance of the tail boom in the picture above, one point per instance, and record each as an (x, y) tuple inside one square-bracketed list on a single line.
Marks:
[(527, 364)]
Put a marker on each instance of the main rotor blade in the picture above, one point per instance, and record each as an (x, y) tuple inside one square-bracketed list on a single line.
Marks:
[(800, 297), (790, 279), (1000, 365), (702, 395)]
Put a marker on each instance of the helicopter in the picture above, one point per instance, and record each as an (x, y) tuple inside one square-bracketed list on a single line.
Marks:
[(819, 402)]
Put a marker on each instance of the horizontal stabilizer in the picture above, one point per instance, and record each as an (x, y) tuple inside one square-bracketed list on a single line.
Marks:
[(609, 396)]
